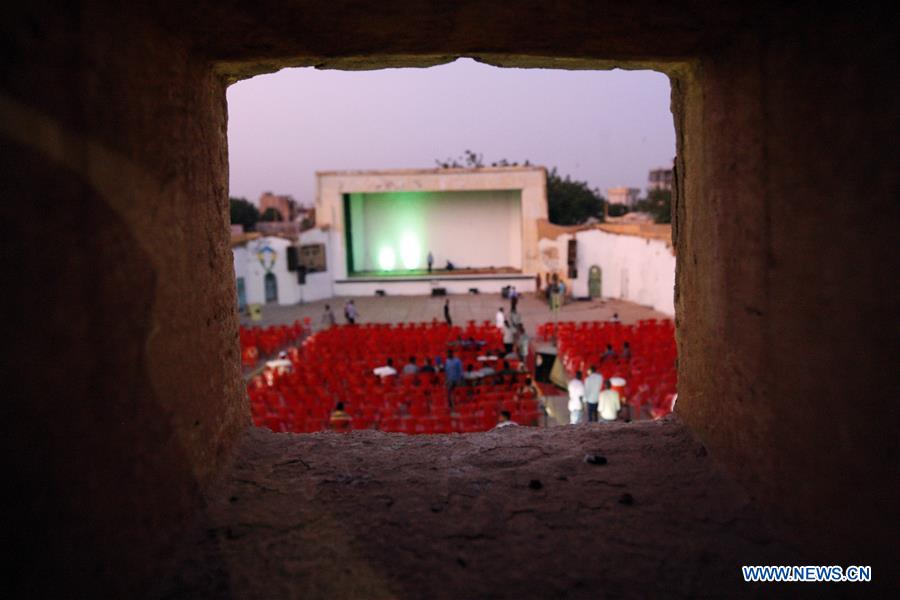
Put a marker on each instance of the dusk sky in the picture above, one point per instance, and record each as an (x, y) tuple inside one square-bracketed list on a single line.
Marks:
[(608, 128)]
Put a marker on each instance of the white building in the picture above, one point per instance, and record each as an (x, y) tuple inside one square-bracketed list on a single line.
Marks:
[(629, 261), (490, 222), (379, 227), (261, 271)]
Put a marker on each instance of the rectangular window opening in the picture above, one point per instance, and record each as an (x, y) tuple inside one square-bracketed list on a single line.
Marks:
[(454, 248)]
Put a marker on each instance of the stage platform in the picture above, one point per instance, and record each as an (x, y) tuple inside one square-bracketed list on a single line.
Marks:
[(421, 283)]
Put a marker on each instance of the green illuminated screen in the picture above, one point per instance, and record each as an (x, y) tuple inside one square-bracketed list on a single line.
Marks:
[(392, 232)]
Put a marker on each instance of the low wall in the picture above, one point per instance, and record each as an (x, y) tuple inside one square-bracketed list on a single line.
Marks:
[(633, 268), (423, 287)]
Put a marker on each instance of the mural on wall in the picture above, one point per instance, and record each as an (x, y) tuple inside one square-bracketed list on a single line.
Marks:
[(266, 256)]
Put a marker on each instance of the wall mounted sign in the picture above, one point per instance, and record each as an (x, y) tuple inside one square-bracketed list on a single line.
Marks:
[(266, 255)]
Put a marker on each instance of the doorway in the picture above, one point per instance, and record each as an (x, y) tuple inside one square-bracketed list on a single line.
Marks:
[(271, 288), (595, 282)]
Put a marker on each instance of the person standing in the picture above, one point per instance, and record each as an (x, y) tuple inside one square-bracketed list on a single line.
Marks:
[(522, 342), (592, 386), (430, 260), (500, 318), (509, 336), (609, 402), (513, 299), (453, 373), (447, 312), (576, 398), (328, 319), (350, 312), (515, 319)]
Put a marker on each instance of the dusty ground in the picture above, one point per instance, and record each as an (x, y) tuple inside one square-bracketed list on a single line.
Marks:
[(480, 307), (513, 513)]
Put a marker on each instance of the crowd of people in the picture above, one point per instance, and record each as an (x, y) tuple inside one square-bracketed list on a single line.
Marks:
[(593, 398), (603, 403), (496, 367)]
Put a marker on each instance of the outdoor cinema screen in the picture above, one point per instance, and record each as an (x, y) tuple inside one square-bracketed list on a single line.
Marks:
[(392, 232)]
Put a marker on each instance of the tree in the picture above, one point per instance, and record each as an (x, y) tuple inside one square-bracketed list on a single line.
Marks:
[(469, 160), (271, 214), (244, 213), (659, 204), (569, 202), (616, 210)]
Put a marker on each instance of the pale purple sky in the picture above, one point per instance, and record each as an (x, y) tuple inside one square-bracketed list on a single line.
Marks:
[(608, 128)]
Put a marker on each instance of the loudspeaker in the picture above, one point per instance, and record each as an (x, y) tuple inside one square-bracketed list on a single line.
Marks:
[(301, 274), (573, 252), (293, 258), (473, 290), (573, 272), (504, 291), (438, 291), (379, 292)]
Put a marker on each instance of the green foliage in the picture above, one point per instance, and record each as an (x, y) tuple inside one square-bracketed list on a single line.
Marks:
[(244, 213), (616, 210), (659, 204), (271, 214), (469, 160), (569, 202)]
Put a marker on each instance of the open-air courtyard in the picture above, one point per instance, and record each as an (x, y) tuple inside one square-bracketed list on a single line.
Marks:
[(463, 308)]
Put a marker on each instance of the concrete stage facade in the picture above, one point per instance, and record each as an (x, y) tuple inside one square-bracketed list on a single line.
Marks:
[(422, 285), (386, 222)]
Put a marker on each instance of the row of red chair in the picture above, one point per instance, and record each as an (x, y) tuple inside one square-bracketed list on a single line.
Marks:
[(335, 365), (650, 372), (259, 342)]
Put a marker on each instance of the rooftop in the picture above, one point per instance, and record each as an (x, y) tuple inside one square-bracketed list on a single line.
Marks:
[(433, 171), (652, 231)]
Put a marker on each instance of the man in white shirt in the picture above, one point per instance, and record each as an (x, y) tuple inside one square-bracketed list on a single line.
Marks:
[(576, 397), (609, 402), (386, 370), (592, 386), (500, 318)]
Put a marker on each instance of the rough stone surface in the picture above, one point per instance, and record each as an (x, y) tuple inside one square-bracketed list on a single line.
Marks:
[(125, 392), (785, 352), (512, 513)]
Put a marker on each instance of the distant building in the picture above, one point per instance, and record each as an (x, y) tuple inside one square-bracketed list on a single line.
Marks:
[(632, 217), (625, 196), (660, 179), (306, 215), (288, 229), (285, 205)]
